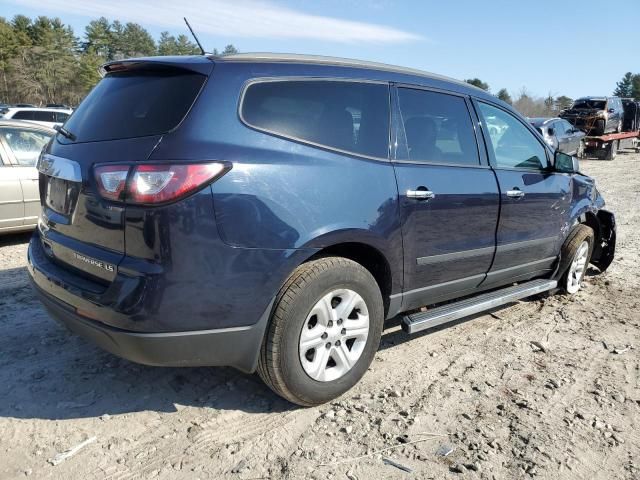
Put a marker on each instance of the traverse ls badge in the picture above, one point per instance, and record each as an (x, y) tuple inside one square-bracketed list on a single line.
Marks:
[(96, 263)]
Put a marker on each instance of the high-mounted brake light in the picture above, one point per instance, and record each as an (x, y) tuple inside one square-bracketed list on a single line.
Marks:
[(155, 183)]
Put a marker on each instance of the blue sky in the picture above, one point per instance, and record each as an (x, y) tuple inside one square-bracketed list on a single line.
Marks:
[(563, 47)]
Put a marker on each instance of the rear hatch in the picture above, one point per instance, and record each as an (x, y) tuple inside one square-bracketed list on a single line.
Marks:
[(122, 120)]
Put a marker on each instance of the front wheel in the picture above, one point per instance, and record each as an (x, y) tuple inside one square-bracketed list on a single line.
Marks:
[(576, 253), (324, 332)]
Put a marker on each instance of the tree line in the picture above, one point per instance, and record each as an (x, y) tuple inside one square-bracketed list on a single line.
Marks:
[(42, 60), (527, 104), (550, 106)]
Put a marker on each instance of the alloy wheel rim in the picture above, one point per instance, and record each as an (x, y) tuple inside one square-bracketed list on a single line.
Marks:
[(334, 335), (578, 267)]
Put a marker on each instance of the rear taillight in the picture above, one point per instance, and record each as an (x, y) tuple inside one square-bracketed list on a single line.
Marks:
[(112, 180), (155, 183)]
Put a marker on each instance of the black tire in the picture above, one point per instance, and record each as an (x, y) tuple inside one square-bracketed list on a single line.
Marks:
[(601, 127), (279, 364), (579, 234), (611, 151)]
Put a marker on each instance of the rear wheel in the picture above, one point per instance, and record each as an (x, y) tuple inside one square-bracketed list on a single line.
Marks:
[(576, 253), (324, 331)]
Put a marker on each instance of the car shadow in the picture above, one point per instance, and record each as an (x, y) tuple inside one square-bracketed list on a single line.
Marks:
[(46, 372), (7, 240)]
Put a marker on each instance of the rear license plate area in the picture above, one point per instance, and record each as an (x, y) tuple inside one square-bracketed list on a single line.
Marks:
[(61, 195)]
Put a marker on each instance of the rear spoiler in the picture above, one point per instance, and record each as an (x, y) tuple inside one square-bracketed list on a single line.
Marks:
[(200, 64)]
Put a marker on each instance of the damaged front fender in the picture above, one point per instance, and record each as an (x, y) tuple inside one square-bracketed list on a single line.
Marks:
[(605, 248)]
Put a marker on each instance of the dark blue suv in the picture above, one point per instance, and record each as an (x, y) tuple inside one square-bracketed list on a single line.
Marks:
[(269, 212)]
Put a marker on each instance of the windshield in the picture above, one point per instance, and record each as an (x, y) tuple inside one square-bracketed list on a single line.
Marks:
[(135, 104), (592, 104)]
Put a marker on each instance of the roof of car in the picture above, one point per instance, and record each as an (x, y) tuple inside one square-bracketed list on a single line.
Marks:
[(48, 109), (592, 98), (7, 122), (294, 58), (266, 57), (539, 121)]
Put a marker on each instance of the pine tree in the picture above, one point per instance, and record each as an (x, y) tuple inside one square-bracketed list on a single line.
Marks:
[(476, 82), (625, 86), (503, 95)]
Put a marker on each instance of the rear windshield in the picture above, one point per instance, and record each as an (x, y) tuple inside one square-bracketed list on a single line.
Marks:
[(135, 104), (599, 104)]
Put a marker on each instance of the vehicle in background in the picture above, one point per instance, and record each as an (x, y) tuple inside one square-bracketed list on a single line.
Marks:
[(20, 146), (47, 117), (333, 194), (595, 115), (560, 135), (57, 105), (631, 122)]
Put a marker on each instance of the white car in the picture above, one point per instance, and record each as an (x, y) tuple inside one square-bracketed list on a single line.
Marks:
[(20, 146), (47, 117)]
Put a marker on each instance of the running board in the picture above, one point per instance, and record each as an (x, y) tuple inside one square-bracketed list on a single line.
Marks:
[(416, 322)]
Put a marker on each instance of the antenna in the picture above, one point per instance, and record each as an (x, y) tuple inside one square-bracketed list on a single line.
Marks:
[(194, 35)]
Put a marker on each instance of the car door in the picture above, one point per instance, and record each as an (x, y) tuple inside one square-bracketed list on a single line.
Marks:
[(23, 147), (449, 199), (11, 204), (562, 136), (535, 200), (575, 136)]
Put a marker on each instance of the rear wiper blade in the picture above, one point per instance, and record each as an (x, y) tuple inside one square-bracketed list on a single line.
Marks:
[(64, 132)]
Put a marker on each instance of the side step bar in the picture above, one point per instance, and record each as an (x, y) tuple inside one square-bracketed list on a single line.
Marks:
[(416, 322)]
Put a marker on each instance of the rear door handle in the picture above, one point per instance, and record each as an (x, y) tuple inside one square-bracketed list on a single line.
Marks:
[(515, 193), (420, 194)]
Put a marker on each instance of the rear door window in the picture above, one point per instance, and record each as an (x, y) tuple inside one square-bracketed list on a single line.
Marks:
[(24, 115), (44, 116), (135, 104), (438, 128), (342, 115)]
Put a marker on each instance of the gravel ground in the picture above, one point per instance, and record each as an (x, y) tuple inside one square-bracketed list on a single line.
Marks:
[(545, 388)]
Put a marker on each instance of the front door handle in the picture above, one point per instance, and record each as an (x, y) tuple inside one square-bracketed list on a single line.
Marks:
[(515, 193), (421, 194)]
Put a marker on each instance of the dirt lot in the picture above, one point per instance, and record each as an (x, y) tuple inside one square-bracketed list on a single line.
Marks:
[(481, 390)]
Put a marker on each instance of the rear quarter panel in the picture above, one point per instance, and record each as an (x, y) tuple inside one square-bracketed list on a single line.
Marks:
[(281, 194)]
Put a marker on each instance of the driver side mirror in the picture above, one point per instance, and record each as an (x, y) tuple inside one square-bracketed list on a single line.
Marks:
[(564, 163)]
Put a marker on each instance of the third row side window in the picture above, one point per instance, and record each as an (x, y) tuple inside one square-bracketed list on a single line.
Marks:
[(342, 115)]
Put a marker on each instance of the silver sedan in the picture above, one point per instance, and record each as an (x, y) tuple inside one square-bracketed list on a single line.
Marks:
[(20, 146)]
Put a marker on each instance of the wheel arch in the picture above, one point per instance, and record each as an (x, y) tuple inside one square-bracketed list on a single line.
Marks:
[(370, 257)]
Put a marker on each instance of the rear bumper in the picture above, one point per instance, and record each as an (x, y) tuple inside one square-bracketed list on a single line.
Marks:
[(236, 347)]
